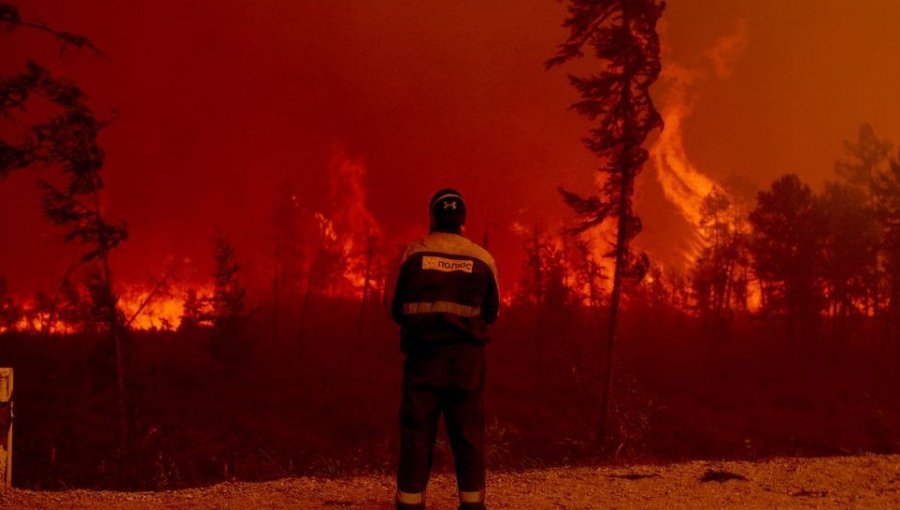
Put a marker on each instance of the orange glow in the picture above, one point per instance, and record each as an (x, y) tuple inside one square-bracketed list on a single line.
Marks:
[(159, 312), (683, 183), (349, 232)]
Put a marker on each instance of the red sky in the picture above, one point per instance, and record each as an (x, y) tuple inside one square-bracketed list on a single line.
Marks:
[(220, 102)]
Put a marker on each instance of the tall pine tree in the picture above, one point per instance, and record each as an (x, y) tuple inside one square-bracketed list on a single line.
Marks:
[(623, 38)]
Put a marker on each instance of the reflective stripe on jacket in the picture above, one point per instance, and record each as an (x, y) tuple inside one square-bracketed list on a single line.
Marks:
[(446, 290)]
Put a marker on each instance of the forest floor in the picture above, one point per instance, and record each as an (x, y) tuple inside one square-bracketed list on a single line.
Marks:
[(869, 481)]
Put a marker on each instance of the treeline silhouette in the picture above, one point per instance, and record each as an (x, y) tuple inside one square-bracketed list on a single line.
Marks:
[(780, 340)]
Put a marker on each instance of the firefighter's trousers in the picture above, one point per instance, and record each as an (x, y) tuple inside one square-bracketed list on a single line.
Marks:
[(445, 380)]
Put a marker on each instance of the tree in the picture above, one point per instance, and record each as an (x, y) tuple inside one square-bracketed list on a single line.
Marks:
[(849, 253), (227, 305), (543, 289), (866, 156), (718, 278), (193, 314), (785, 245), (10, 311), (228, 295), (72, 309), (589, 272), (865, 170), (623, 37), (288, 260), (68, 140), (887, 210), (544, 273)]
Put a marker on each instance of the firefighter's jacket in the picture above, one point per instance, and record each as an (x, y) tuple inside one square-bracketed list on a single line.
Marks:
[(445, 292)]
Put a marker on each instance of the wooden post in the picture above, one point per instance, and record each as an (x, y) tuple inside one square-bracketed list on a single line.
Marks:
[(6, 426)]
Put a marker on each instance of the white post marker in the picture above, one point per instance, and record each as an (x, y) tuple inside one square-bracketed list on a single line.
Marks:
[(6, 426)]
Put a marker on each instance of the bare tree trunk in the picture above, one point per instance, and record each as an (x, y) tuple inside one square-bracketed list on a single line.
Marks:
[(115, 331), (116, 334), (614, 300), (626, 186)]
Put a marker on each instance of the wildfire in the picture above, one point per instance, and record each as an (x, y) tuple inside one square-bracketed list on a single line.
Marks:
[(140, 307), (145, 312), (682, 182), (349, 232)]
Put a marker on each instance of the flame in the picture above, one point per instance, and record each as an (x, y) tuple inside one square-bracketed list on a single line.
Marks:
[(682, 182), (326, 228), (163, 311), (349, 230), (141, 311)]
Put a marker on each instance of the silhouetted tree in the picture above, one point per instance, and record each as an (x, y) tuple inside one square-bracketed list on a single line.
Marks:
[(865, 158), (68, 140), (10, 311), (227, 305), (72, 309), (287, 255), (786, 249), (544, 272), (589, 272), (326, 273), (887, 208), (719, 276), (41, 313), (622, 35), (865, 168), (543, 290), (228, 296), (656, 293), (193, 312), (849, 253)]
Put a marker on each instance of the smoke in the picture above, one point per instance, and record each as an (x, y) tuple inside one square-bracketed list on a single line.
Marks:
[(726, 51)]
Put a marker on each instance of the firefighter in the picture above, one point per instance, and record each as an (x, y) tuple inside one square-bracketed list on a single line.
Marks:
[(444, 297)]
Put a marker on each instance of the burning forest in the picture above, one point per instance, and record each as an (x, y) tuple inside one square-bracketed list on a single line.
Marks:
[(202, 215)]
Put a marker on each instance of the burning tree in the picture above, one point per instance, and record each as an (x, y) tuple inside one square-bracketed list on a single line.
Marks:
[(719, 276), (623, 37), (68, 140)]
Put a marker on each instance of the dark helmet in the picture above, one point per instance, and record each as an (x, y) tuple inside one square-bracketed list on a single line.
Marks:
[(448, 211)]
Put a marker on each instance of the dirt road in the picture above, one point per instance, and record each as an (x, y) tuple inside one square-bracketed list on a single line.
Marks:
[(841, 482)]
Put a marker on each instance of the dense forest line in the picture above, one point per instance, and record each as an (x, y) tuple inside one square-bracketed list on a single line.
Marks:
[(782, 338)]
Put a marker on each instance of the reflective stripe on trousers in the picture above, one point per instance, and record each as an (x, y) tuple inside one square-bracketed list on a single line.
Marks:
[(471, 496), (441, 307), (411, 498), (418, 498)]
